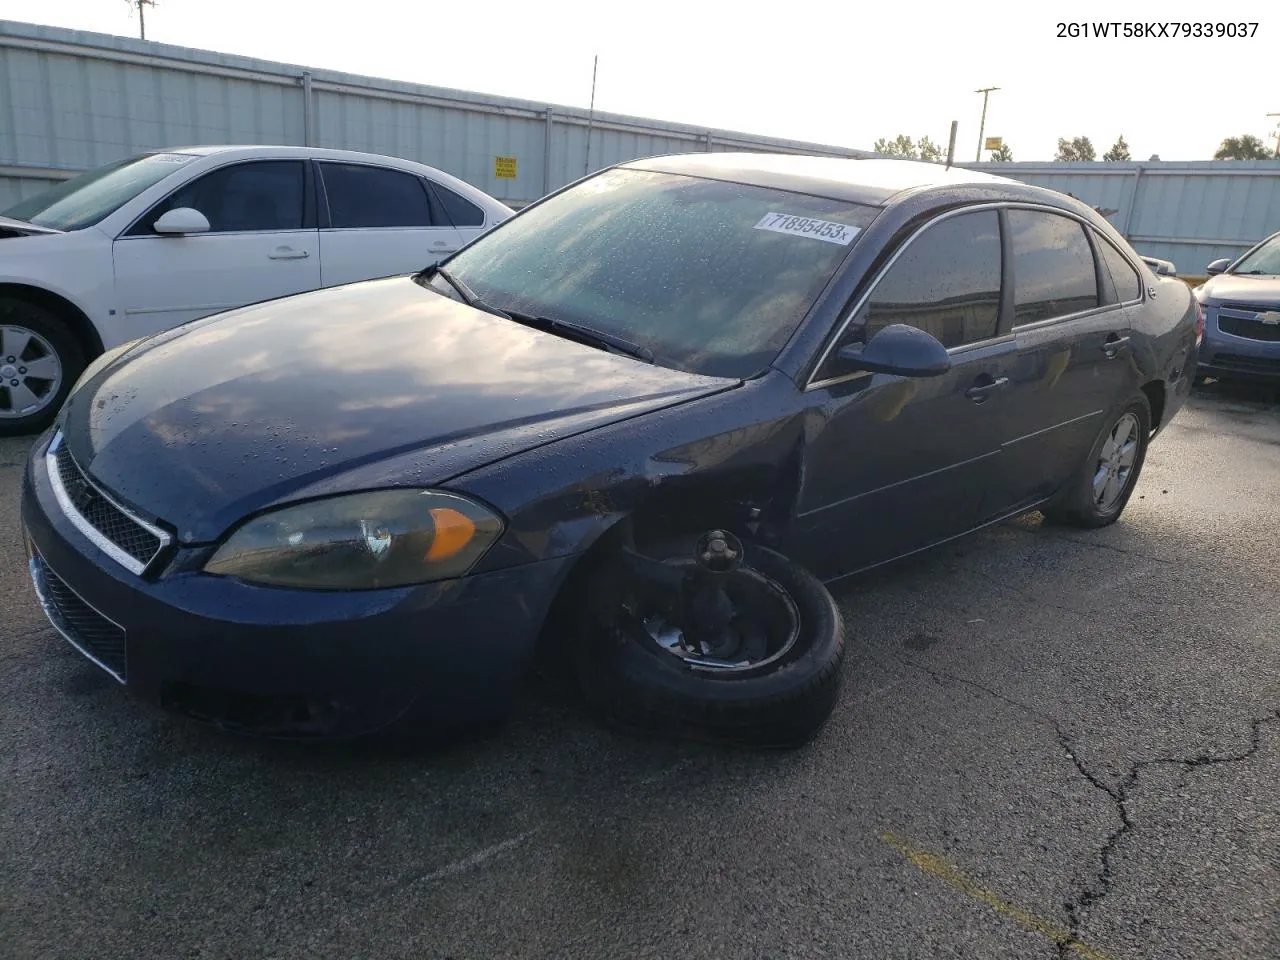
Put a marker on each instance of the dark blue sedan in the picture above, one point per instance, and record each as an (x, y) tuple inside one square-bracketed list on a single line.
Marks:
[(643, 422)]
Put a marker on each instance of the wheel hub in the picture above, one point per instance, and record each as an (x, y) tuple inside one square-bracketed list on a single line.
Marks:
[(30, 372)]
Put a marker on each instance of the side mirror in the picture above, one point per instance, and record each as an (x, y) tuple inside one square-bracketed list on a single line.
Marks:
[(1218, 266), (1161, 268), (899, 350), (180, 221)]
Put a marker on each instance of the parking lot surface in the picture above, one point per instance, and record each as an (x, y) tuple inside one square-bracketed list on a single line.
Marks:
[(1050, 743)]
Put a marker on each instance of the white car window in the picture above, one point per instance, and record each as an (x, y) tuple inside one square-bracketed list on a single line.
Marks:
[(461, 212), (254, 197), (363, 196)]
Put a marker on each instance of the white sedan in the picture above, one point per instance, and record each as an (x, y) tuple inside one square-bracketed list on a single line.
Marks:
[(157, 240)]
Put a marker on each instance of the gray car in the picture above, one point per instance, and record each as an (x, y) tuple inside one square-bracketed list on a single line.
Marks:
[(1241, 303)]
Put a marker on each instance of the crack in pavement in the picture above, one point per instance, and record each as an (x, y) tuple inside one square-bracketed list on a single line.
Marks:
[(1041, 533), (1120, 795)]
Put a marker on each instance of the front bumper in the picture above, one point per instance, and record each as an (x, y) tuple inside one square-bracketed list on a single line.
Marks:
[(1237, 358), (290, 662)]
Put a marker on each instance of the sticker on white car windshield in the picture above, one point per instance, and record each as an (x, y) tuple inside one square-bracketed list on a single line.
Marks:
[(840, 233)]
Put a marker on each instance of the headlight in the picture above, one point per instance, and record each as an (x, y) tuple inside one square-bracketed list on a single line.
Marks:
[(361, 541)]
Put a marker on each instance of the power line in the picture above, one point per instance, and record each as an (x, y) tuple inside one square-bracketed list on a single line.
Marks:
[(142, 16), (591, 114), (986, 92)]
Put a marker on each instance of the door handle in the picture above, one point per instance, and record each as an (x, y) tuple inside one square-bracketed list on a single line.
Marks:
[(442, 245), (1113, 346), (288, 253), (979, 392)]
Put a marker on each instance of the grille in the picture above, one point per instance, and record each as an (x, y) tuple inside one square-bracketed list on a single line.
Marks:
[(1252, 364), (1241, 323), (133, 541), (98, 638)]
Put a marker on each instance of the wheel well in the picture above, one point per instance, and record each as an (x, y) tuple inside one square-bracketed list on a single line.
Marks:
[(79, 324), (1155, 396)]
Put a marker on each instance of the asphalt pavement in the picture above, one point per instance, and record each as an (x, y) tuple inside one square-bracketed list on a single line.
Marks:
[(1050, 743)]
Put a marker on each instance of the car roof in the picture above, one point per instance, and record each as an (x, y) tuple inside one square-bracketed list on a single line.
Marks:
[(470, 191), (858, 180)]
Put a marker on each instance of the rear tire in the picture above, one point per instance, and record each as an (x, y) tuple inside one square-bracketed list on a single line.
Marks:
[(639, 687), (1081, 502), (40, 360)]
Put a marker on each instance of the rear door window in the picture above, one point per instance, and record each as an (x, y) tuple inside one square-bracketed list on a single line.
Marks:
[(1053, 269), (363, 196)]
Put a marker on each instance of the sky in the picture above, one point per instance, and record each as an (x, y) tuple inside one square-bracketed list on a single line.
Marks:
[(833, 72)]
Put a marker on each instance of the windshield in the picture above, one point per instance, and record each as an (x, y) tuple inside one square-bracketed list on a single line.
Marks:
[(710, 277), (85, 200), (1265, 260)]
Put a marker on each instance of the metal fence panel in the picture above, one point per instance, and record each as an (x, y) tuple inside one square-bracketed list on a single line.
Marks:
[(1186, 212), (71, 100)]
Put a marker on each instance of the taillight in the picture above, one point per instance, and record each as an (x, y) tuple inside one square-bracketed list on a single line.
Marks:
[(1199, 323)]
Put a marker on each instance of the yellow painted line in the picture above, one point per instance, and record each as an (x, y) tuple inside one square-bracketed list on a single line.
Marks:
[(934, 865)]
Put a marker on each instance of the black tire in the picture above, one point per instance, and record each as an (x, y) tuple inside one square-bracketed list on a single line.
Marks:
[(1076, 505), (15, 312), (781, 704)]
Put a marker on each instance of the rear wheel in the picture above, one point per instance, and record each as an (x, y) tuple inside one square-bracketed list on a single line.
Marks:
[(1098, 493), (768, 676), (40, 360)]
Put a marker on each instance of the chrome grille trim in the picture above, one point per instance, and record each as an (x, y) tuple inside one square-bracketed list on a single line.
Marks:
[(53, 610), (92, 533)]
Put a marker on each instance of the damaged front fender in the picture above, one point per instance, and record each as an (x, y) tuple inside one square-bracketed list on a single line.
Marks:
[(730, 460)]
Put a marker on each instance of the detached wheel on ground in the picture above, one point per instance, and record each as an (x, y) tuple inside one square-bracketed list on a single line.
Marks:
[(1097, 495), (40, 360), (723, 643)]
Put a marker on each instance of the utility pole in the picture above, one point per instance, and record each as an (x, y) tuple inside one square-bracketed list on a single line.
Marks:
[(986, 92), (591, 114), (1277, 134), (142, 15)]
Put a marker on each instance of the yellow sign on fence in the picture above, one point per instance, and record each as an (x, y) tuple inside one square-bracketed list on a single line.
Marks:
[(504, 168), (993, 143)]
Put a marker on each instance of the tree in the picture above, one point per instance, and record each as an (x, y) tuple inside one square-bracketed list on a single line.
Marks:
[(1247, 147), (900, 146), (1002, 155), (1119, 151), (930, 151), (1077, 148)]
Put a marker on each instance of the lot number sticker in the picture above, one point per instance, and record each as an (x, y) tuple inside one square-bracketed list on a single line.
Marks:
[(840, 233)]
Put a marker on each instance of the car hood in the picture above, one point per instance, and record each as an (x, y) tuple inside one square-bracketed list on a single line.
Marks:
[(201, 426), (1259, 291)]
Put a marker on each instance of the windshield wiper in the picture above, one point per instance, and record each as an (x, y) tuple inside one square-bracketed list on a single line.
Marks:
[(592, 338), (466, 293)]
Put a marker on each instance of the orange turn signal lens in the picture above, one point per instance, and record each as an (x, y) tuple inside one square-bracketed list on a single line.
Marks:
[(453, 531)]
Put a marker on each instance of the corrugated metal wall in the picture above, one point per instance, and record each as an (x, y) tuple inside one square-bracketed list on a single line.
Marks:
[(71, 100), (1189, 213)]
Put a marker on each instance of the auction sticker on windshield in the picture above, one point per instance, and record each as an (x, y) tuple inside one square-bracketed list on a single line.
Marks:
[(840, 233)]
